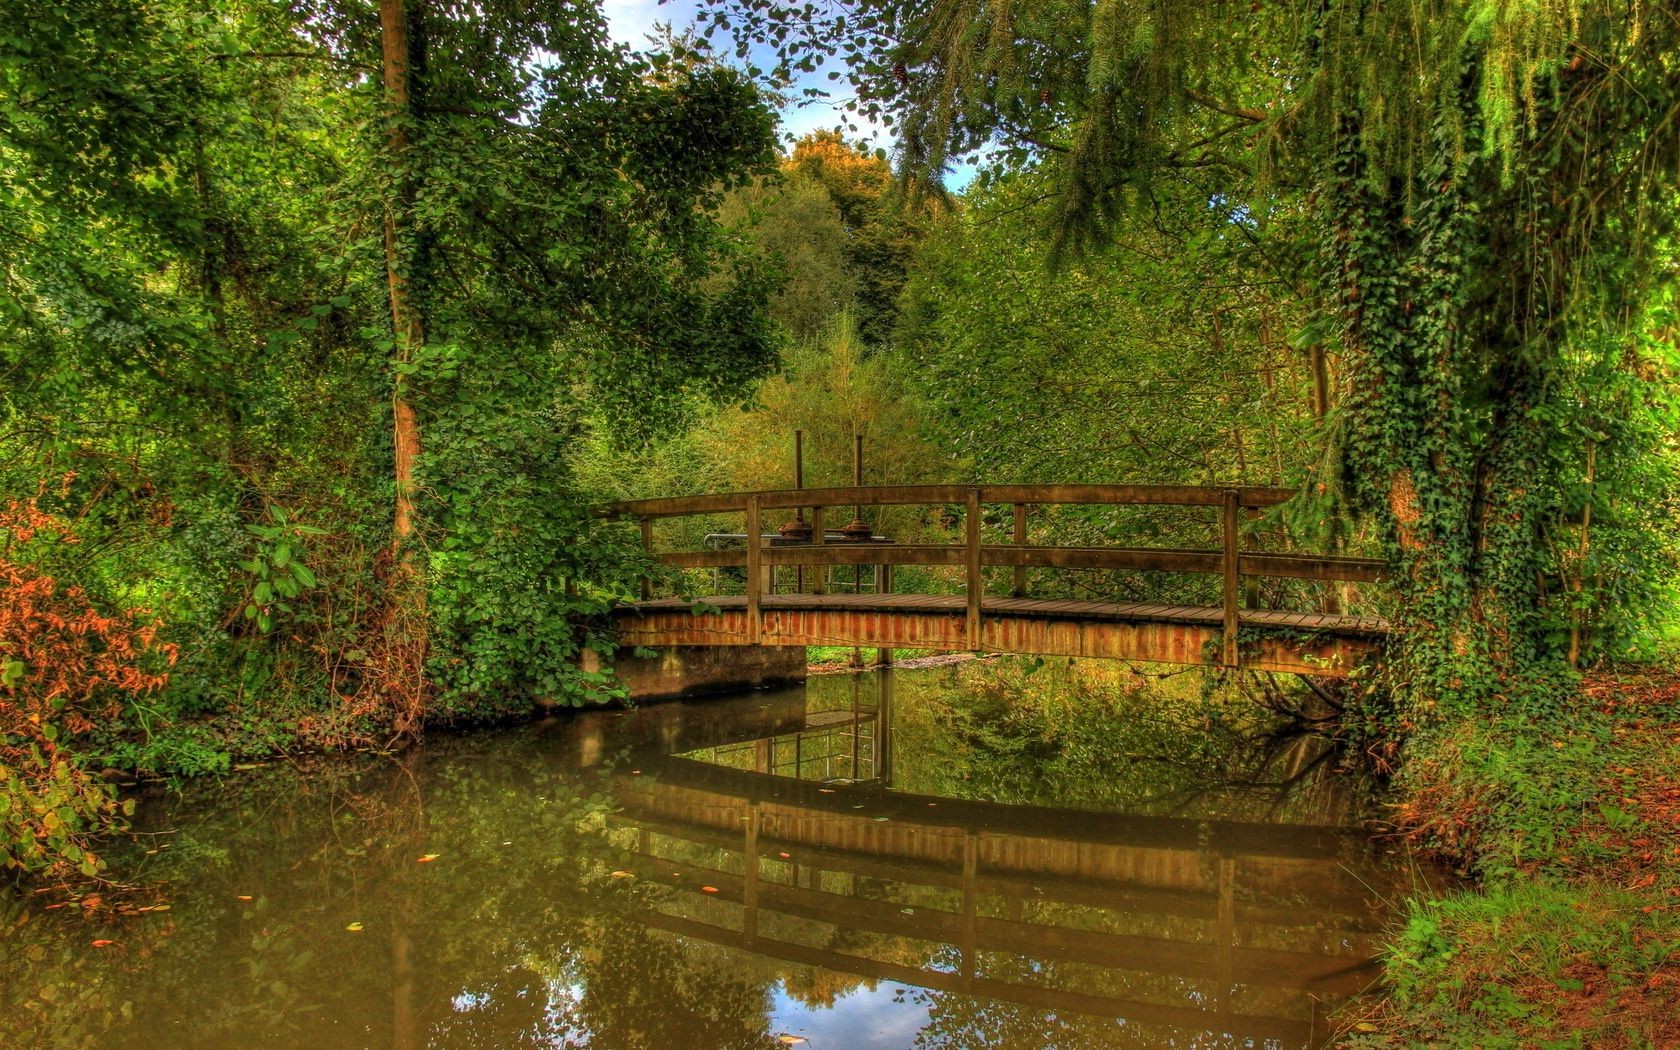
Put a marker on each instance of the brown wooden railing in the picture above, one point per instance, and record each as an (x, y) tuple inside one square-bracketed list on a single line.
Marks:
[(1229, 561)]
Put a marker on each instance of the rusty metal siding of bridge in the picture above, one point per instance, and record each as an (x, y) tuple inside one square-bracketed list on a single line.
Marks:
[(1145, 640)]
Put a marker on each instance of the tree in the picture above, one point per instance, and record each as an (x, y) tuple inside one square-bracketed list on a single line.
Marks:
[(1491, 184), (883, 226), (251, 259), (793, 219)]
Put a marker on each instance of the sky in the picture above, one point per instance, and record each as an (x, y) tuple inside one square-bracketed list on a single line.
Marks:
[(632, 20)]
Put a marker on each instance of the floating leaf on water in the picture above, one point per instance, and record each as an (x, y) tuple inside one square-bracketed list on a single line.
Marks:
[(103, 943), (881, 820), (354, 927), (427, 859), (623, 874)]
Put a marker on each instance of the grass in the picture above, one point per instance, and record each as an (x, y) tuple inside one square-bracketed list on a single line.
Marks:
[(1573, 938)]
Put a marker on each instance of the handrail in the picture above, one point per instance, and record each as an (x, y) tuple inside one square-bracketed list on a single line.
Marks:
[(889, 495), (1228, 561)]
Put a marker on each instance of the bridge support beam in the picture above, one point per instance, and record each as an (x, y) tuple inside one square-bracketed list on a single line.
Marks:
[(705, 670)]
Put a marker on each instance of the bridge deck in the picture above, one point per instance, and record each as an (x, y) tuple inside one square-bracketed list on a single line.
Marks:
[(1309, 643)]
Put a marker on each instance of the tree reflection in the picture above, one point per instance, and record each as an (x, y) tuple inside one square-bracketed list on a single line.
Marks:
[(584, 890)]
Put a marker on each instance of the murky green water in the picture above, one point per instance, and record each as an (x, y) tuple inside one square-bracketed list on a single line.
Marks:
[(968, 857)]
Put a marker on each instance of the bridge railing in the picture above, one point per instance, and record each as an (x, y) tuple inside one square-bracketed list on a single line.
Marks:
[(1229, 561)]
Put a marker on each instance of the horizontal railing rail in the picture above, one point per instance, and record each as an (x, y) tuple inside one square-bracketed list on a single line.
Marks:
[(823, 550), (906, 495)]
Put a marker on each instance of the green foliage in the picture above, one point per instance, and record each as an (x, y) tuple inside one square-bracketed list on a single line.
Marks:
[(195, 323), (1464, 218), (794, 220)]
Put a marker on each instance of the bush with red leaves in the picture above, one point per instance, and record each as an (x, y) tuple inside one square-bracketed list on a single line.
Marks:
[(64, 666)]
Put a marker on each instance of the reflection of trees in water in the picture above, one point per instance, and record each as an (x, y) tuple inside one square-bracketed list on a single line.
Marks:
[(520, 932), (516, 935), (1100, 734)]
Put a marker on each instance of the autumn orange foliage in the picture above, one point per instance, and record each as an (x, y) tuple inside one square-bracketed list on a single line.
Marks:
[(64, 665)]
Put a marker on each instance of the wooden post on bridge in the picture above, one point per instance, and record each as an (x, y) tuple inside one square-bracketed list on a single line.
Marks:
[(1020, 541), (755, 571), (976, 584), (1229, 655), (820, 584), (883, 585), (647, 548)]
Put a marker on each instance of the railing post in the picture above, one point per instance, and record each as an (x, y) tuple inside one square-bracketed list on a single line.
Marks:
[(647, 548), (883, 585), (755, 571), (976, 585), (1251, 586), (1020, 541), (820, 584), (1228, 655)]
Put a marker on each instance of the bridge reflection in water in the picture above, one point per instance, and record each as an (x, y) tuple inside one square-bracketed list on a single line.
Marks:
[(793, 845)]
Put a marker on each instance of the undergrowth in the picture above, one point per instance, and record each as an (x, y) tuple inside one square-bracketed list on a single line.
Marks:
[(1573, 829)]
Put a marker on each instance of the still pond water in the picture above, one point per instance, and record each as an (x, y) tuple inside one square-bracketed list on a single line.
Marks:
[(954, 857)]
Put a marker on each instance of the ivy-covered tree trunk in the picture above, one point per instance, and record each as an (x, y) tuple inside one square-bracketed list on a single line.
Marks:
[(1445, 449), (403, 658)]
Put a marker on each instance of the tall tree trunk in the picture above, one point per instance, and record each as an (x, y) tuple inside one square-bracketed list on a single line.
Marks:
[(404, 655)]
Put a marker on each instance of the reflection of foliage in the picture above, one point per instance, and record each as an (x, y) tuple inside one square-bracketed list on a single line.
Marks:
[(515, 931), (528, 926), (1096, 734)]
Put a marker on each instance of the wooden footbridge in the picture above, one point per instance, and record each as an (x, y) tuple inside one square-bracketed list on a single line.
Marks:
[(1235, 633)]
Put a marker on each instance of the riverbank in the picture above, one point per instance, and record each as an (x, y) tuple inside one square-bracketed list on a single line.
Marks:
[(1573, 939)]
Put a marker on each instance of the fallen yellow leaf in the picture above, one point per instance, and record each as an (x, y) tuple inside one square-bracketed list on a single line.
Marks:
[(428, 858), (354, 927), (623, 874)]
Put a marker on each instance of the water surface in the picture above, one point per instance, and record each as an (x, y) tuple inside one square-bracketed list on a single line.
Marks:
[(972, 857)]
